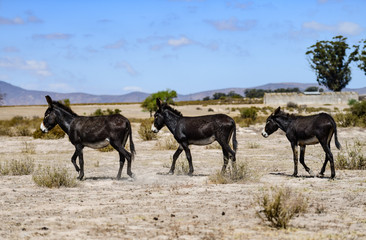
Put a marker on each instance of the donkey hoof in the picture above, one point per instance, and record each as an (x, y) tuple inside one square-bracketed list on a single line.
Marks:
[(170, 173), (190, 174), (320, 175), (311, 173)]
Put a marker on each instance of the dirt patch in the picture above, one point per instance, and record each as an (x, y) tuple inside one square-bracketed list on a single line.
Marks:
[(159, 206)]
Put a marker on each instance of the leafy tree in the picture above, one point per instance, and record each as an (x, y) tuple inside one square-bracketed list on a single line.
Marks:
[(206, 98), (167, 96), (330, 62), (255, 93), (233, 94), (312, 89), (218, 95), (362, 57)]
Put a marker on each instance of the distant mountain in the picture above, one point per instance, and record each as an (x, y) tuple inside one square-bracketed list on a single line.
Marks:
[(18, 96)]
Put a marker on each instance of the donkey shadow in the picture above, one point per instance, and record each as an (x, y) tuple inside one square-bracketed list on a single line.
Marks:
[(108, 178), (193, 175), (298, 176)]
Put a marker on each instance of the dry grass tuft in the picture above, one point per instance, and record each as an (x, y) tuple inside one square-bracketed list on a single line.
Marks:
[(17, 167), (238, 174), (167, 143), (54, 177), (279, 205), (145, 130), (351, 157)]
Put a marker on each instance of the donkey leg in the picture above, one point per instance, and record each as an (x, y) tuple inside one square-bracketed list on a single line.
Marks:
[(80, 148), (302, 160), (73, 160), (226, 148), (123, 153), (121, 164), (189, 158), (175, 157), (321, 173), (295, 155), (226, 161), (329, 156)]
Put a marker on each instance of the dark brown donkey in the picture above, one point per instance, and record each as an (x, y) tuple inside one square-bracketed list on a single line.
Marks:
[(305, 130), (94, 132), (201, 130)]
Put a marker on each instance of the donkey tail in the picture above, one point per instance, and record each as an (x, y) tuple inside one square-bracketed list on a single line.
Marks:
[(338, 145), (132, 145), (235, 143)]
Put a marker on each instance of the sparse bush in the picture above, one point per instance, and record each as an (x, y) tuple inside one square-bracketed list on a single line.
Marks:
[(108, 148), (279, 205), (167, 143), (54, 177), (28, 148), (145, 130), (100, 112), (351, 157), (181, 167), (19, 126), (17, 167), (253, 145), (55, 133), (292, 105), (346, 119), (238, 174), (250, 113), (211, 110)]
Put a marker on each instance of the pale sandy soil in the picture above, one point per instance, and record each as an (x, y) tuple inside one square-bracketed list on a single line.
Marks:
[(157, 206)]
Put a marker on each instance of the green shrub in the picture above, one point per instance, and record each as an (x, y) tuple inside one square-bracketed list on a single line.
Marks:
[(359, 109), (250, 113), (346, 119), (279, 205), (145, 130), (17, 167), (54, 177), (351, 157)]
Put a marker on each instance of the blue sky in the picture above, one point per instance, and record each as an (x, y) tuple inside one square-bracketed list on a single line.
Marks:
[(115, 47)]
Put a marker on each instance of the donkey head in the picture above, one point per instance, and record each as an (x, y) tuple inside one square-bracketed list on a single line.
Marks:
[(49, 120), (271, 124), (158, 117)]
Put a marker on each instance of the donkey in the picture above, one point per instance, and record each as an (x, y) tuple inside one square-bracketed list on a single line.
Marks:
[(94, 132), (305, 130), (202, 130)]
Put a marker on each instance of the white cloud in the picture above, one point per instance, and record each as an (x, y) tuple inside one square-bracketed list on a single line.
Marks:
[(132, 89), (127, 67), (39, 68), (14, 21), (53, 36), (179, 42), (232, 24), (117, 45), (343, 28)]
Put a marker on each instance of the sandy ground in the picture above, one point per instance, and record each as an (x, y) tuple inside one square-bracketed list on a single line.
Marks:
[(158, 206)]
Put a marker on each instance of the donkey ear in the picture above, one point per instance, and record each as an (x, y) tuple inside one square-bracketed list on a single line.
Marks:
[(277, 110), (159, 102), (49, 100)]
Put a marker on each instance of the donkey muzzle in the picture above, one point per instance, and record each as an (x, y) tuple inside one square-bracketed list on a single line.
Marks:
[(264, 134), (43, 128), (154, 129)]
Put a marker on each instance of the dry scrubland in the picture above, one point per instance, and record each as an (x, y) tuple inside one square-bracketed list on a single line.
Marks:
[(159, 206)]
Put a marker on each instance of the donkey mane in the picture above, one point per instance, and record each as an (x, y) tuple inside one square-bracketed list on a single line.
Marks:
[(62, 106), (166, 106)]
